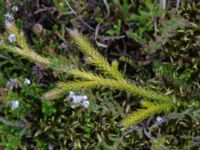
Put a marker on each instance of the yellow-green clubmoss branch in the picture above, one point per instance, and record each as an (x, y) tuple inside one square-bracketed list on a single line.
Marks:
[(122, 85), (63, 88), (95, 58), (27, 53), (94, 80), (21, 40), (34, 57), (148, 109), (22, 47)]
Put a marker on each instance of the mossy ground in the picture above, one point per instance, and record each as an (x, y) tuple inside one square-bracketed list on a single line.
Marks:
[(165, 59)]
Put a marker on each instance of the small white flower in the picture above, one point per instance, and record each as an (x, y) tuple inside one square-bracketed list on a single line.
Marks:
[(158, 119), (15, 8), (8, 17), (12, 38), (27, 81), (85, 104), (14, 104)]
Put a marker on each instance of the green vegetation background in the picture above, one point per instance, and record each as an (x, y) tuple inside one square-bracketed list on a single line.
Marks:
[(162, 57)]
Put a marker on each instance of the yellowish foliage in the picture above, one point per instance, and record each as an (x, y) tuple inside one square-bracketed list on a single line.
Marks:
[(95, 58), (22, 47), (111, 78), (149, 109)]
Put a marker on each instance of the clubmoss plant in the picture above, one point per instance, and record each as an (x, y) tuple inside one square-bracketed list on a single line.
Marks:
[(148, 109), (110, 76)]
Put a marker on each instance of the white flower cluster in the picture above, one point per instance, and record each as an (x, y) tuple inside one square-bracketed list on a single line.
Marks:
[(78, 100), (14, 104), (14, 83)]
